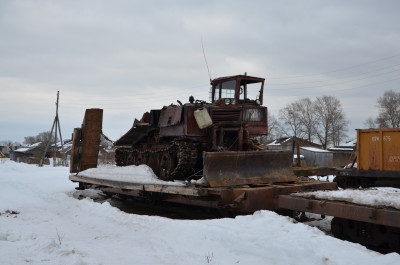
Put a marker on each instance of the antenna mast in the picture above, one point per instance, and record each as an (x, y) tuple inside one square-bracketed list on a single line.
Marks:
[(205, 59), (56, 125)]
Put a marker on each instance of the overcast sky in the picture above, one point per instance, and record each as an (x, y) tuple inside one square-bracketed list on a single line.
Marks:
[(128, 57)]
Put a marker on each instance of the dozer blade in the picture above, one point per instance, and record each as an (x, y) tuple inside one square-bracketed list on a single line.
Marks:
[(222, 169)]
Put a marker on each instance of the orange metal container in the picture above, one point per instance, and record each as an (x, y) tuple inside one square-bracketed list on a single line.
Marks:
[(378, 149)]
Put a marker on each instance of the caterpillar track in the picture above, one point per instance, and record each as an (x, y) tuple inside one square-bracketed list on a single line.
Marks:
[(178, 160)]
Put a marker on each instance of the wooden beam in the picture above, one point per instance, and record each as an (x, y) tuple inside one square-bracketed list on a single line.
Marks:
[(171, 189)]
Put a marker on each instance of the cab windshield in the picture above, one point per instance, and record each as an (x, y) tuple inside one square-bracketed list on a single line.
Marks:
[(225, 90), (249, 91)]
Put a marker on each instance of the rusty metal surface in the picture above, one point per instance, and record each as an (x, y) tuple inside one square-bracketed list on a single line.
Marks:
[(76, 151), (378, 149), (368, 173), (247, 200), (381, 216), (314, 171), (266, 197), (192, 129), (225, 114), (134, 135), (253, 167), (170, 116), (91, 131)]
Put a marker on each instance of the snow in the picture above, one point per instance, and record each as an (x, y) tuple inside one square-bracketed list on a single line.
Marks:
[(42, 221), (328, 178), (200, 182), (141, 174), (313, 149), (275, 142), (278, 142), (28, 148), (382, 196), (340, 149)]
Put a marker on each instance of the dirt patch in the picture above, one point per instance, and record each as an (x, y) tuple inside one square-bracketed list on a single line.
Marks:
[(9, 213)]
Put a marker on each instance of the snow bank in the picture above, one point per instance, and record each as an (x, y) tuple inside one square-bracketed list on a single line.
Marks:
[(141, 174), (51, 226), (388, 197)]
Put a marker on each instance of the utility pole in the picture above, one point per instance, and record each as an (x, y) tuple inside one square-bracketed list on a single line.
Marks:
[(56, 125)]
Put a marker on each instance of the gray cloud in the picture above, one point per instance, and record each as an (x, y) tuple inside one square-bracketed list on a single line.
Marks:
[(130, 56)]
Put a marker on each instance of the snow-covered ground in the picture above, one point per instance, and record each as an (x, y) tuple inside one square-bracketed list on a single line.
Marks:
[(382, 196), (42, 222)]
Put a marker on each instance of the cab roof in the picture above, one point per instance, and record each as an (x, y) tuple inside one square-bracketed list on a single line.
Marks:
[(248, 79)]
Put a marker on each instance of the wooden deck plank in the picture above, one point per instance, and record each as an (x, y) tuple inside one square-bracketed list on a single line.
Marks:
[(382, 216), (181, 190)]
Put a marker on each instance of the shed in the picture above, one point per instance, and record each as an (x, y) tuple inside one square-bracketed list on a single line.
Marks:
[(317, 157), (30, 154), (343, 154)]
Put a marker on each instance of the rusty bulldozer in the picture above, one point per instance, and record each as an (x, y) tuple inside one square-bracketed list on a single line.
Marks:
[(215, 140)]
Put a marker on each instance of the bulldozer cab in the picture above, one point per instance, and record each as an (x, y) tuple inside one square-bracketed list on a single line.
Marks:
[(237, 89)]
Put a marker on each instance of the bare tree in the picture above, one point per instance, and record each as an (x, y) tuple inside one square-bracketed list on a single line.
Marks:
[(29, 140), (307, 117), (6, 143), (331, 120), (43, 137), (389, 113), (370, 123), (339, 128), (291, 122), (274, 128), (9, 146)]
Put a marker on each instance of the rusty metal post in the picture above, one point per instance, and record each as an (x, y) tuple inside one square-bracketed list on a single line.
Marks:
[(76, 151), (86, 146), (240, 138), (214, 137), (221, 136)]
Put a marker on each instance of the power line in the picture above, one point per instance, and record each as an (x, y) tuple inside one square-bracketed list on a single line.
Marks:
[(339, 69), (329, 80), (337, 83), (303, 93)]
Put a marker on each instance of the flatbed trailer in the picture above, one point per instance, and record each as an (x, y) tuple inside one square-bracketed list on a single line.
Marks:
[(374, 226), (243, 199), (352, 177)]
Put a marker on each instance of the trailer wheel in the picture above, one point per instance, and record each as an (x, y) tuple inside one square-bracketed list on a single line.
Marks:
[(341, 182), (337, 228), (347, 182), (366, 183), (394, 242)]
